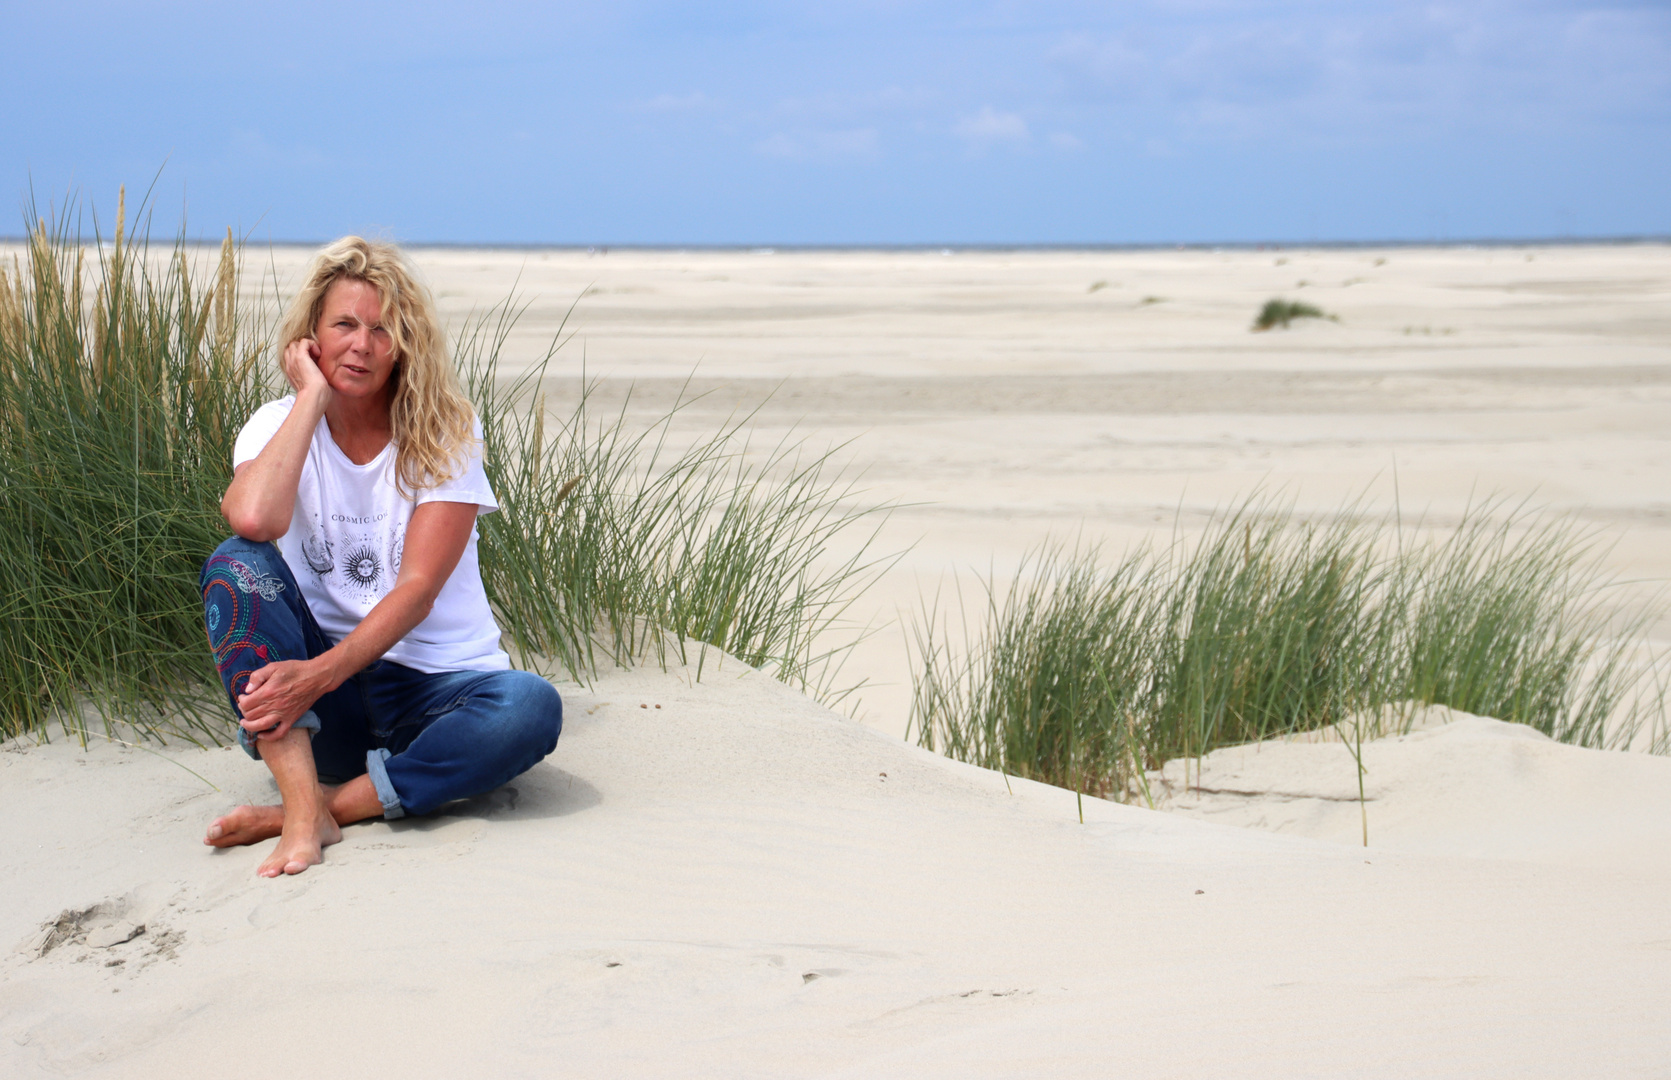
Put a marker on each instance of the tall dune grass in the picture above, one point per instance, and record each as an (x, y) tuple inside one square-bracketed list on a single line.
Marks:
[(1087, 675), (125, 375), (611, 546)]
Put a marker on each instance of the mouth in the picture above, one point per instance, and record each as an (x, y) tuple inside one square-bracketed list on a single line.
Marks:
[(356, 370)]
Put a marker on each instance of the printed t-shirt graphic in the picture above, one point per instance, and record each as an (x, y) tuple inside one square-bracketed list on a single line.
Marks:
[(347, 537)]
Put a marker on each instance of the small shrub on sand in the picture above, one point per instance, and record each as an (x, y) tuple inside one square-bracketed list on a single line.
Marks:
[(1281, 312), (1087, 674)]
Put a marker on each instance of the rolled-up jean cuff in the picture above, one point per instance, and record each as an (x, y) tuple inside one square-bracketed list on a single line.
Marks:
[(309, 723), (380, 780)]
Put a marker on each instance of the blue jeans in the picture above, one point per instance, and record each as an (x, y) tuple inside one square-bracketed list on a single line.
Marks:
[(424, 738)]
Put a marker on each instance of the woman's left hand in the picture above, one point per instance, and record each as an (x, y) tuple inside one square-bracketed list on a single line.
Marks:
[(277, 695)]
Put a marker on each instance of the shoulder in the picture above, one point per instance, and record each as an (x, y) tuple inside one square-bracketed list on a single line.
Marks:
[(273, 412), (470, 483)]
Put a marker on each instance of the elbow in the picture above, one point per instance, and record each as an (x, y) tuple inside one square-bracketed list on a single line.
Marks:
[(423, 597), (251, 526), (258, 535), (249, 522)]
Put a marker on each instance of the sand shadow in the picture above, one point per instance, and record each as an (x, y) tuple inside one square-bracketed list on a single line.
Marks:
[(544, 791)]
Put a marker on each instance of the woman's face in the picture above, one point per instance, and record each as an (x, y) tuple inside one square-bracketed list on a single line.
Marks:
[(356, 354)]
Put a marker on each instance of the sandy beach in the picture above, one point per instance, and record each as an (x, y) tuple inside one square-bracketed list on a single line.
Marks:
[(721, 877), (1004, 397)]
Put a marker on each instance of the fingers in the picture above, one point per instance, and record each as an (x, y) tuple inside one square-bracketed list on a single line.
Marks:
[(300, 364), (259, 701), (302, 348), (274, 698), (268, 720)]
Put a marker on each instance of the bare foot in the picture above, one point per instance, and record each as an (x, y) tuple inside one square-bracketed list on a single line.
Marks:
[(245, 825), (302, 842)]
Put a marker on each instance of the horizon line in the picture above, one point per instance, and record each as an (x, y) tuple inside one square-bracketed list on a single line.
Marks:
[(1614, 240)]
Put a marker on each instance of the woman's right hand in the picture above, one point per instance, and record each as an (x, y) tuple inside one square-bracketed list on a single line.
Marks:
[(301, 367), (276, 696)]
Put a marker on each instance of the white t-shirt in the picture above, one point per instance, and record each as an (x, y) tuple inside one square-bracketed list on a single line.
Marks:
[(346, 537)]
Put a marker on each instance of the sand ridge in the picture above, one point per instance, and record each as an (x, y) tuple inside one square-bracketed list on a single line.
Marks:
[(741, 883)]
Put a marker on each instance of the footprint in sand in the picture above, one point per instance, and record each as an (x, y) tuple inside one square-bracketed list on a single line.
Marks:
[(112, 932)]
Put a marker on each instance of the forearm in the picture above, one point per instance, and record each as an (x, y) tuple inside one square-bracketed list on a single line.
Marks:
[(262, 496), (435, 541), (406, 605)]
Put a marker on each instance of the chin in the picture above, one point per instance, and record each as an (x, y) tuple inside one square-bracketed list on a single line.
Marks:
[(356, 387)]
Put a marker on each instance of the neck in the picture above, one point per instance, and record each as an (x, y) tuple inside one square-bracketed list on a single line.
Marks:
[(361, 427)]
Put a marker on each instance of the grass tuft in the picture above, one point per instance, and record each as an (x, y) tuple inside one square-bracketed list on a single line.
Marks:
[(1088, 675), (1279, 312), (610, 547)]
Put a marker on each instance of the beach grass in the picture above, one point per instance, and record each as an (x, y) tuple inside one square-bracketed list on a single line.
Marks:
[(1280, 312), (610, 546), (125, 376), (1088, 673)]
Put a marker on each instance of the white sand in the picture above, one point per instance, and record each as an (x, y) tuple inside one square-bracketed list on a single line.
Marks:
[(729, 886), (1468, 786), (1005, 402)]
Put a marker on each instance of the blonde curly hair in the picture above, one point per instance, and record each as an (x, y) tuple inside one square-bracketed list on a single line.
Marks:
[(432, 422)]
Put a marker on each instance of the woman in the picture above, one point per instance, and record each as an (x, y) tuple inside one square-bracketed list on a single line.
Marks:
[(347, 615)]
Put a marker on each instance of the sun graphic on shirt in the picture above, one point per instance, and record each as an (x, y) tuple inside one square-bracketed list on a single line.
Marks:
[(362, 565)]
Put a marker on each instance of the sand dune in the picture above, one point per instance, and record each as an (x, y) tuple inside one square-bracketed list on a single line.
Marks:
[(740, 883), (1467, 786)]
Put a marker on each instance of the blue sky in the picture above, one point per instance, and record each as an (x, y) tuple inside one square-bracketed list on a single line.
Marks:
[(854, 122)]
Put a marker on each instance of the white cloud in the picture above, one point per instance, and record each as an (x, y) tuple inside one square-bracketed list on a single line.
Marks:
[(990, 127), (1066, 140)]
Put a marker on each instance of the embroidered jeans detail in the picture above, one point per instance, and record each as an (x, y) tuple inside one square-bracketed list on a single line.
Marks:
[(251, 580), (426, 738)]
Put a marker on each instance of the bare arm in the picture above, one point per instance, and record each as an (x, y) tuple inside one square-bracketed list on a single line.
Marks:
[(259, 502), (277, 695)]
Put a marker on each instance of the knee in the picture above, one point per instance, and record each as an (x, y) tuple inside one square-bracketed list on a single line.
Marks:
[(538, 709), (261, 556)]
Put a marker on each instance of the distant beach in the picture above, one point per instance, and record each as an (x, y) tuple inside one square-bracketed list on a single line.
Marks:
[(1004, 395)]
